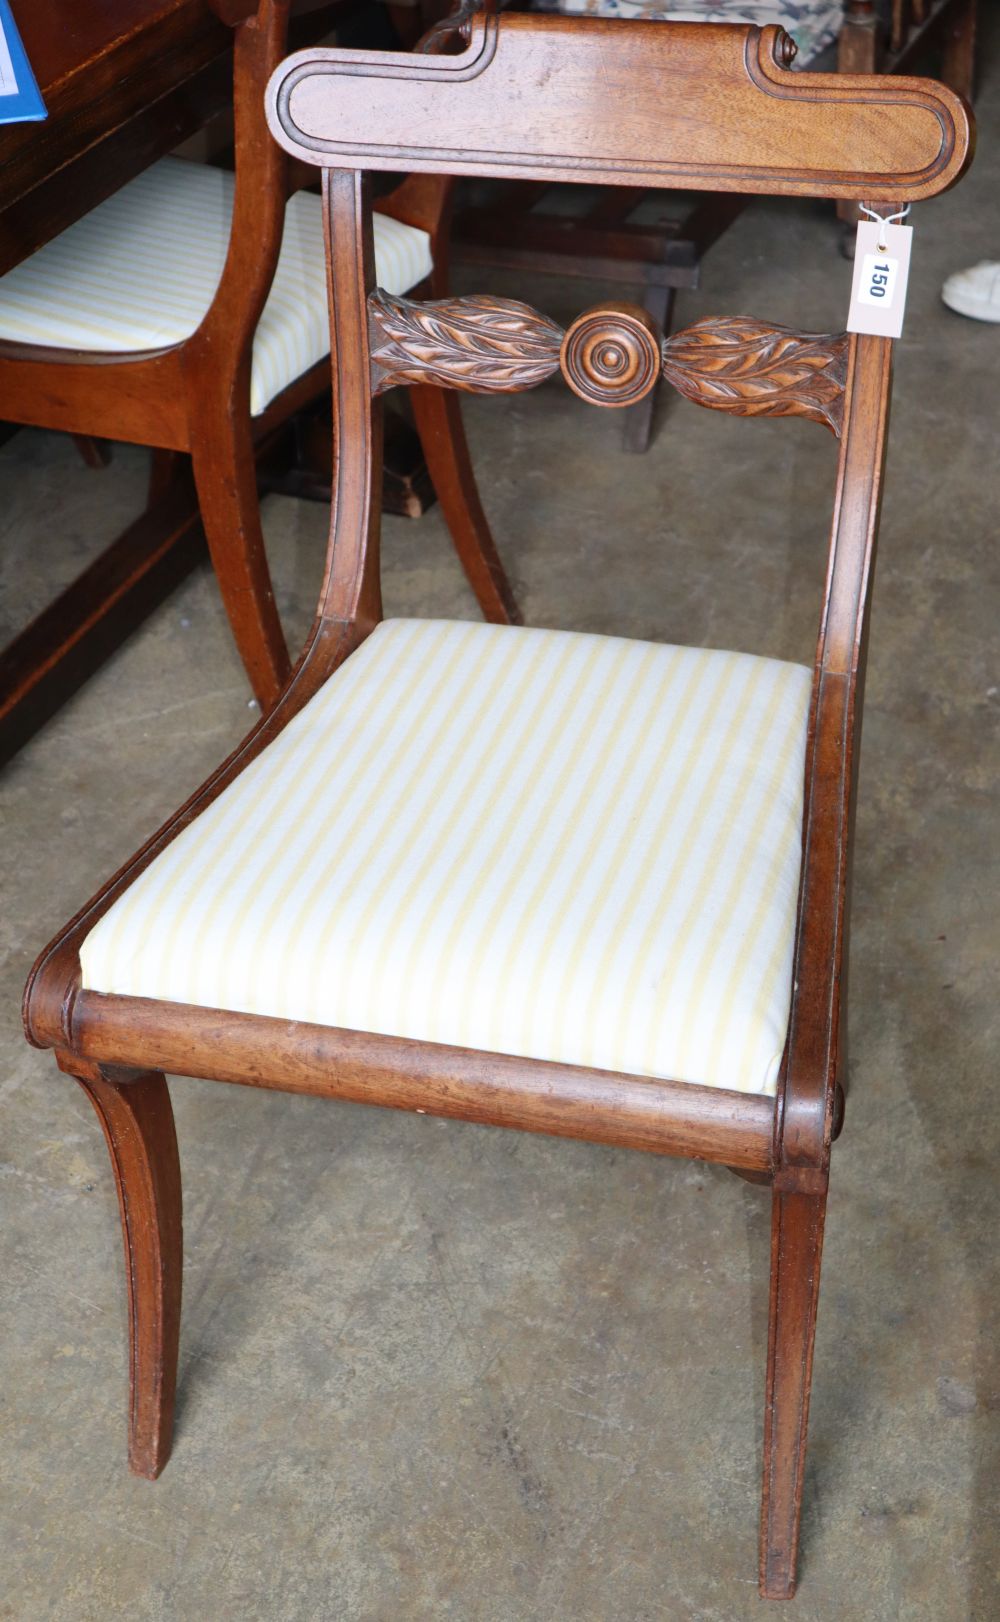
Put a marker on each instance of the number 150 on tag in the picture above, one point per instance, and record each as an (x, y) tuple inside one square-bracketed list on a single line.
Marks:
[(878, 280)]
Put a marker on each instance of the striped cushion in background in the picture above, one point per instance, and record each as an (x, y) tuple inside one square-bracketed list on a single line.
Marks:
[(140, 271), (543, 843)]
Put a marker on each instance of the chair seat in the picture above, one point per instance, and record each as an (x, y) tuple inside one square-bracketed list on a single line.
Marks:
[(542, 843), (140, 271), (813, 24)]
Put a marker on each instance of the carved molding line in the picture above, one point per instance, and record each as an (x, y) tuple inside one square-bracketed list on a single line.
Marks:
[(788, 134), (611, 355), (737, 364)]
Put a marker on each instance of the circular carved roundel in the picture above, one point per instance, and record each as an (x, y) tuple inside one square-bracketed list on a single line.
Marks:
[(611, 355)]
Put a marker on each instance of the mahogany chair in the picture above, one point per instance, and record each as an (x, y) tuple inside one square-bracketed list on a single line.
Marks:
[(187, 313), (565, 883)]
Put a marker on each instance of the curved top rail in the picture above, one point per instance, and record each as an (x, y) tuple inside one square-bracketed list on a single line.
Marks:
[(702, 106)]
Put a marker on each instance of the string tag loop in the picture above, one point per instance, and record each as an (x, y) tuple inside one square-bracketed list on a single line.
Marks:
[(883, 221)]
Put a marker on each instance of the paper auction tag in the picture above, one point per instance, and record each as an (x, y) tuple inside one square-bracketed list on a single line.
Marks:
[(881, 272)]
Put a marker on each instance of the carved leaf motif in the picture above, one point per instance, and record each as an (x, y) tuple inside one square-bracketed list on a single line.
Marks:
[(480, 344), (741, 365)]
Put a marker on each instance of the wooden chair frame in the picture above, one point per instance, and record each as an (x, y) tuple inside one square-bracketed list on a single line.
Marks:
[(514, 228), (194, 397), (784, 135)]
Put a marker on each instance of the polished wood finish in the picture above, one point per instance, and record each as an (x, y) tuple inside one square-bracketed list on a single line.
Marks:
[(634, 1112), (810, 1103), (134, 1110), (736, 365), (747, 117), (754, 370), (796, 1248), (916, 31), (515, 228), (194, 397), (481, 344), (611, 355)]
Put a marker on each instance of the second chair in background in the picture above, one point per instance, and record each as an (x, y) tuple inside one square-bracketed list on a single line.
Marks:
[(186, 313)]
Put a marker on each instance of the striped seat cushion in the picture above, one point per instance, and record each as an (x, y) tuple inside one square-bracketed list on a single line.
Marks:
[(543, 843), (140, 271), (813, 24)]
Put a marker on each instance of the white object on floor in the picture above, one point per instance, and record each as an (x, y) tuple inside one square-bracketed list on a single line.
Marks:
[(140, 271), (545, 843), (975, 291)]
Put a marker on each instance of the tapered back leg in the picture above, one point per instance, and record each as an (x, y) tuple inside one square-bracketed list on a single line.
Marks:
[(796, 1250), (134, 1110)]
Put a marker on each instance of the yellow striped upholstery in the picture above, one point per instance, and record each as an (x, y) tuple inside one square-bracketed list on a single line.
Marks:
[(544, 843), (140, 271)]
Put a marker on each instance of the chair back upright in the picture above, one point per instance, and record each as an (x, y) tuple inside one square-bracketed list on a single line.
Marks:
[(263, 181), (224, 338)]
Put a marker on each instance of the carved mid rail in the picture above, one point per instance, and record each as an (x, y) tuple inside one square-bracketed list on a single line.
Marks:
[(612, 355)]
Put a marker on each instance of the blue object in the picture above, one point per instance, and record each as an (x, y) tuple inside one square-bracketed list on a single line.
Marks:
[(20, 100)]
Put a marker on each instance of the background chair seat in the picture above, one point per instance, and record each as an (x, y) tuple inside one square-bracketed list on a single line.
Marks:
[(141, 270), (544, 843), (813, 24)]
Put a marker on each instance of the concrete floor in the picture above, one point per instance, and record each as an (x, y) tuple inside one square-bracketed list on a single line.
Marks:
[(430, 1370)]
